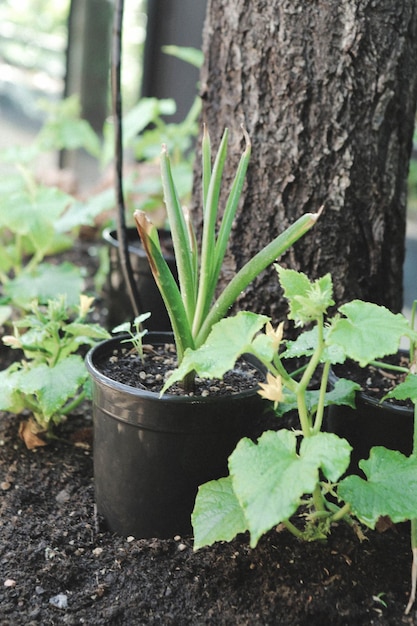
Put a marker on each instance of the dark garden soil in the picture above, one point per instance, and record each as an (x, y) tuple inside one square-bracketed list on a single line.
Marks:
[(376, 381), (126, 366), (59, 566)]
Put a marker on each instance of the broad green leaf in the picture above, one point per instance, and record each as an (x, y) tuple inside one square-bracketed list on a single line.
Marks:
[(53, 386), (228, 340), (189, 55), (9, 258), (269, 478), (5, 313), (85, 332), (405, 390), (10, 396), (146, 112), (390, 488), (46, 282), (217, 514), (368, 331), (263, 347), (70, 134), (80, 213), (330, 451), (27, 213), (343, 393), (308, 300), (307, 342)]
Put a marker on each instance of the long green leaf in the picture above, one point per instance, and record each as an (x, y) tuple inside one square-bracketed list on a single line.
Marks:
[(208, 261), (206, 160), (254, 267), (166, 283), (230, 211), (184, 255)]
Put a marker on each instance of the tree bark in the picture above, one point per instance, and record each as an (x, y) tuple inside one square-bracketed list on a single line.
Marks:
[(327, 91)]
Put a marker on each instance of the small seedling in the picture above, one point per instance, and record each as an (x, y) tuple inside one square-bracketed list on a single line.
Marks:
[(136, 335)]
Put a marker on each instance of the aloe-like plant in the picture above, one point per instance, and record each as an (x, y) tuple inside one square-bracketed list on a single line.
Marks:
[(191, 306)]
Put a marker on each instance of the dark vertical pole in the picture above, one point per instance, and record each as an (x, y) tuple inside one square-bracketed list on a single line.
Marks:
[(163, 75), (118, 142)]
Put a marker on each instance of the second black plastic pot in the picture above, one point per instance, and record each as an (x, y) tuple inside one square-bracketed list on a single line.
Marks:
[(372, 423), (152, 453), (119, 306)]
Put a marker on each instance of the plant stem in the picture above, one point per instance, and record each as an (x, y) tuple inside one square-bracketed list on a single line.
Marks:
[(306, 379), (75, 403), (341, 512), (413, 531), (320, 407), (387, 366), (318, 499), (413, 569), (412, 355), (293, 529)]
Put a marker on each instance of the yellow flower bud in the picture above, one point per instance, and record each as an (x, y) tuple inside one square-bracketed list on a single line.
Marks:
[(272, 389), (12, 341), (85, 304), (275, 335)]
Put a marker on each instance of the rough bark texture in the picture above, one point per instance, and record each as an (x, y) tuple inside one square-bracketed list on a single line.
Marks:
[(327, 92)]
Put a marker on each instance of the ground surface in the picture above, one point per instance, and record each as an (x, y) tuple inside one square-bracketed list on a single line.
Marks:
[(58, 565), (53, 554)]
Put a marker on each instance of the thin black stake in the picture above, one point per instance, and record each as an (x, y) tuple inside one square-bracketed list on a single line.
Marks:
[(118, 149)]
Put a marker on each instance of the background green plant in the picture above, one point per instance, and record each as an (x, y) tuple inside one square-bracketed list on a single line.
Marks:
[(50, 380)]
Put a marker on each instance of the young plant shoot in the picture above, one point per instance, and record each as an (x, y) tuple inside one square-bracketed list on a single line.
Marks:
[(290, 475), (136, 335)]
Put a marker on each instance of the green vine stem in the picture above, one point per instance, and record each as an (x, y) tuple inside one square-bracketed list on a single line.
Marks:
[(413, 355), (413, 524), (75, 403), (322, 396), (293, 529)]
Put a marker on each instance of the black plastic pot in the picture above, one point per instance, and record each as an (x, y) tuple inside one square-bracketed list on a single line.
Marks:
[(151, 453), (372, 423), (119, 306)]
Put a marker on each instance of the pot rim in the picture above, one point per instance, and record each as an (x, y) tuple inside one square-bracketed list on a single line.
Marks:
[(164, 337), (110, 236), (391, 406)]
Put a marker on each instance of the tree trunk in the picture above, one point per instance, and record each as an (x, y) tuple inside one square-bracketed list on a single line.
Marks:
[(327, 91)]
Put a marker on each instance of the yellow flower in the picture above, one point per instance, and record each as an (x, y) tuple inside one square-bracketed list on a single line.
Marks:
[(275, 335), (272, 389), (11, 341), (85, 304)]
